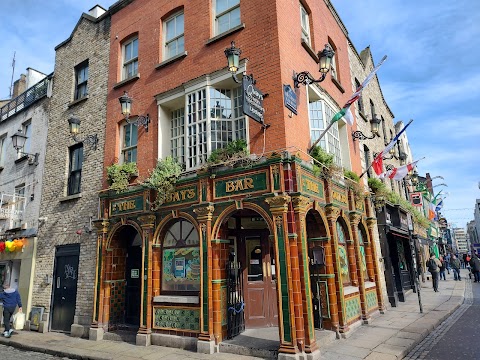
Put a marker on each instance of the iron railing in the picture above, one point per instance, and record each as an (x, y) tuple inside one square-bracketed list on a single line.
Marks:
[(235, 301)]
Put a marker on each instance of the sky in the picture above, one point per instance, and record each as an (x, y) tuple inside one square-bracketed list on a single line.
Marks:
[(431, 74)]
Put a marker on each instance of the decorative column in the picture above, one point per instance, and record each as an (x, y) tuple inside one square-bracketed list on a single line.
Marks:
[(300, 205), (354, 221), (206, 340), (96, 330), (335, 285), (371, 224), (286, 311), (145, 331)]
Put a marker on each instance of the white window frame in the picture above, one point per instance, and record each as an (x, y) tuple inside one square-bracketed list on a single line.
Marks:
[(196, 137), (131, 61), (124, 149), (19, 203), (234, 6), (333, 65), (305, 25), (175, 38), (333, 134)]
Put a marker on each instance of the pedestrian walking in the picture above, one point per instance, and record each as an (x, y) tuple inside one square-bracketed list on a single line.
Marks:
[(442, 268), (10, 298), (448, 258), (464, 261), (475, 265), (455, 264), (433, 266)]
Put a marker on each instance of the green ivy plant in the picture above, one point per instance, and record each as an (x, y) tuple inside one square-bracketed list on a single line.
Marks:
[(329, 168), (163, 179), (236, 151), (119, 175), (353, 183)]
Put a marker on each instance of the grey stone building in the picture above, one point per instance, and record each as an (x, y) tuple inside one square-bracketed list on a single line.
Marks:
[(23, 136), (66, 256)]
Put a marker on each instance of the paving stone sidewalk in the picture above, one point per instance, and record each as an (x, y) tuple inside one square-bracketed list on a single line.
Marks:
[(389, 336), (394, 334)]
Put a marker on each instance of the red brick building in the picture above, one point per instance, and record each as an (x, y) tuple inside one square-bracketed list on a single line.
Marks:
[(268, 244)]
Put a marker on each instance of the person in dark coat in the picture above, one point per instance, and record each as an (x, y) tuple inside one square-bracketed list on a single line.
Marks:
[(475, 265), (10, 298), (455, 263)]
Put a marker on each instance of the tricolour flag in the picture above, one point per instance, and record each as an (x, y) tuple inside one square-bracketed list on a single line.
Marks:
[(402, 171), (377, 163), (431, 211), (345, 111), (439, 206)]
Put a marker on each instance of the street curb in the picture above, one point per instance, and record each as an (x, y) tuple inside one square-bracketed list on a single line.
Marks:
[(49, 351)]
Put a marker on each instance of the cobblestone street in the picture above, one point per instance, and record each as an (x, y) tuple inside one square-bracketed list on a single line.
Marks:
[(11, 353)]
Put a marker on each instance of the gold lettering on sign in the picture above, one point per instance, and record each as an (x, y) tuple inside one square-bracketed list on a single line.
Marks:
[(312, 186), (180, 195), (239, 184), (124, 206), (339, 197)]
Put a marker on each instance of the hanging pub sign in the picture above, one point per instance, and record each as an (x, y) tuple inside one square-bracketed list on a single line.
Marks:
[(252, 100), (416, 199), (290, 99)]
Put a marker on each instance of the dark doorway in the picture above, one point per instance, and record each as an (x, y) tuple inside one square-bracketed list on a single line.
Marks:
[(64, 287), (133, 272)]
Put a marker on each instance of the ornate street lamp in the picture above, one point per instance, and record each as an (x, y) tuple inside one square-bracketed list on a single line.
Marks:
[(90, 140), (126, 105), (374, 125), (324, 64), (233, 57), (18, 141)]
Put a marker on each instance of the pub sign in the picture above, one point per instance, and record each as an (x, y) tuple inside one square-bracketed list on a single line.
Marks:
[(252, 100)]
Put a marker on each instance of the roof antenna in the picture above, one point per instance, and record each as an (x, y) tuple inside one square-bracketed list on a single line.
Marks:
[(13, 73)]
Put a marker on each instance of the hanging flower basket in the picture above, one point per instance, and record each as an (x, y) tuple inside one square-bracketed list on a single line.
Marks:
[(2, 247), (18, 244), (9, 246)]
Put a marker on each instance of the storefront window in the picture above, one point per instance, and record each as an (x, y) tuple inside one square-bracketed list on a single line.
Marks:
[(342, 255), (181, 258), (362, 254)]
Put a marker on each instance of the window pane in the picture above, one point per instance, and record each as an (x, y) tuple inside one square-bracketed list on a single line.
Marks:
[(170, 29)]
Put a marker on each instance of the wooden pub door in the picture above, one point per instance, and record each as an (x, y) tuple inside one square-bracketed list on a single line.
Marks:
[(257, 258)]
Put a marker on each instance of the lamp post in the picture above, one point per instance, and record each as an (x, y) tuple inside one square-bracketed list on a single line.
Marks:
[(126, 106), (374, 126), (233, 57), (90, 140), (324, 64), (18, 141)]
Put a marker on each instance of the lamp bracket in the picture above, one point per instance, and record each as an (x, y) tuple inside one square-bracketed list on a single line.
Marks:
[(32, 158), (141, 120), (90, 140), (384, 158), (305, 78), (361, 136)]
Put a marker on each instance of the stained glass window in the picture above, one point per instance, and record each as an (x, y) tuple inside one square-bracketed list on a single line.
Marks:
[(342, 255)]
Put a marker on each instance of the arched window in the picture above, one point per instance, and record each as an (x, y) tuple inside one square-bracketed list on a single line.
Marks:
[(181, 258), (342, 255), (363, 258)]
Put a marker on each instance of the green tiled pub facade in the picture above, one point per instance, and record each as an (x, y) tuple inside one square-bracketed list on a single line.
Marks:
[(235, 248)]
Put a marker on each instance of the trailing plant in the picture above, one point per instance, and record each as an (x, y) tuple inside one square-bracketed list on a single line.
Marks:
[(235, 151), (324, 165), (353, 183), (119, 175), (163, 179), (349, 174), (377, 186)]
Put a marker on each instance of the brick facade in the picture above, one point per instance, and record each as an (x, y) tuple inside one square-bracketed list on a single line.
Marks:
[(67, 214)]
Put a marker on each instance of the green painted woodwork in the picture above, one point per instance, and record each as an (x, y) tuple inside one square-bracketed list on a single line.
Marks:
[(352, 308), (127, 205), (324, 238), (312, 186), (99, 274), (245, 184), (308, 294), (177, 318), (372, 301), (145, 280)]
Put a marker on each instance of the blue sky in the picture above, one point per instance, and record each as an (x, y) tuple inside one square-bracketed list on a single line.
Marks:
[(431, 74)]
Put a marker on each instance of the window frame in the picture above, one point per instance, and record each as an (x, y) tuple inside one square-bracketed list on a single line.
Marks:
[(360, 98), (81, 69), (175, 38), (129, 148), (333, 64), (218, 15), (3, 149), (133, 60), (304, 14), (75, 174)]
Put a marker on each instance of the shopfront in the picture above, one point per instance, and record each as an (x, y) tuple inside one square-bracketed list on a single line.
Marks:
[(267, 246)]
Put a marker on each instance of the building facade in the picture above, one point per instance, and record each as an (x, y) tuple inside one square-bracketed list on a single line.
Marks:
[(232, 247), (66, 256)]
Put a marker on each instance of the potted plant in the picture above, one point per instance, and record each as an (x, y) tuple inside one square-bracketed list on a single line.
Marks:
[(324, 165), (235, 153), (119, 175), (163, 179), (353, 183)]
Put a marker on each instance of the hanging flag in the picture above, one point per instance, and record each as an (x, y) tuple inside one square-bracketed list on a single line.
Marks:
[(345, 111), (377, 163), (439, 206), (402, 171), (431, 211)]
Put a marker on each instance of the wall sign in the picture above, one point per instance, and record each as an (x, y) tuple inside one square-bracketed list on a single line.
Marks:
[(252, 100), (126, 205), (290, 99), (248, 183), (182, 195), (134, 273)]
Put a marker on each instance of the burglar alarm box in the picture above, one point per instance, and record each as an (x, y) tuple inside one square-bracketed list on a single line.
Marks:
[(416, 199)]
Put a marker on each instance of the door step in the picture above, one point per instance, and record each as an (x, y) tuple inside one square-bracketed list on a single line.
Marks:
[(121, 335)]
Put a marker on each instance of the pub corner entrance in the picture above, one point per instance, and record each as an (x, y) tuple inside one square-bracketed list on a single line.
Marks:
[(251, 274)]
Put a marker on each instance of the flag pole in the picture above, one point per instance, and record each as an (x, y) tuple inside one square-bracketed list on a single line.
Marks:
[(321, 136)]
